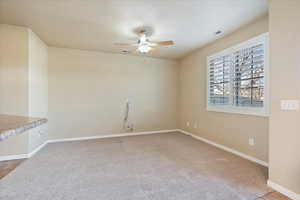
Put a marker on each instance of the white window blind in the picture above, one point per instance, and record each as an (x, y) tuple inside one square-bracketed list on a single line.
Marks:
[(237, 77)]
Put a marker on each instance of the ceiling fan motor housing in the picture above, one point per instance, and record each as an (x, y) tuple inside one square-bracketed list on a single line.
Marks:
[(144, 45)]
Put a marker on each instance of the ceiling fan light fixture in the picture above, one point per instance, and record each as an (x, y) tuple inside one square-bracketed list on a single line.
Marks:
[(144, 45), (144, 48), (143, 39)]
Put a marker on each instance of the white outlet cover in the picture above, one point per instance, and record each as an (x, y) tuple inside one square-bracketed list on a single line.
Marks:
[(187, 123), (289, 104), (251, 141)]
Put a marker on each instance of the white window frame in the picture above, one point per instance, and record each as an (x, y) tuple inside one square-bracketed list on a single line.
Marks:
[(262, 111)]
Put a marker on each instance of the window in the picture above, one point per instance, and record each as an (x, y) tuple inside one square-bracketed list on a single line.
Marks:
[(237, 78)]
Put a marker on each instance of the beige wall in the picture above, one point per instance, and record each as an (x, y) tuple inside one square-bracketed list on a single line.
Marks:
[(38, 76), (285, 84), (23, 84), (13, 70), (88, 91), (216, 126), (14, 82), (37, 88)]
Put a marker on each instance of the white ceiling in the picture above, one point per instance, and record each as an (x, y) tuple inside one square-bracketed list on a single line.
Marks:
[(97, 24)]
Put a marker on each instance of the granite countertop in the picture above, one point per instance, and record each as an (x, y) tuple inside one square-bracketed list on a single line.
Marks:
[(11, 125)]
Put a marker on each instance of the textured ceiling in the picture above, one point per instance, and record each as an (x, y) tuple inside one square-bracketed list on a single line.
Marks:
[(97, 24)]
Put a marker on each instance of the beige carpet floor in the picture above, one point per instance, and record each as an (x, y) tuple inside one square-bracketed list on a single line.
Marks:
[(151, 167)]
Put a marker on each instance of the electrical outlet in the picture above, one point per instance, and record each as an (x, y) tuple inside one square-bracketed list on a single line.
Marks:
[(130, 127), (195, 125), (251, 141), (187, 123)]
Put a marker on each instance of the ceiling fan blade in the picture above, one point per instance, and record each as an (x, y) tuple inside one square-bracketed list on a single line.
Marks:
[(135, 52), (154, 51), (163, 43), (125, 44)]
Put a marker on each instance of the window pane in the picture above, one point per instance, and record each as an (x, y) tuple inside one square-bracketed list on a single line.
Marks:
[(219, 80), (258, 97), (249, 76), (244, 97), (220, 94)]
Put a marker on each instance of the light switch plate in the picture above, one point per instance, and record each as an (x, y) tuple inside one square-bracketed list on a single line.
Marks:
[(289, 104)]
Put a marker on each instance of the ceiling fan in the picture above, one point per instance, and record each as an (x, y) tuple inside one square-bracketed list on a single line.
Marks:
[(144, 45)]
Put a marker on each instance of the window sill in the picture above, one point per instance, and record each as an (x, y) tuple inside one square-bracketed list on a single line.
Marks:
[(242, 111)]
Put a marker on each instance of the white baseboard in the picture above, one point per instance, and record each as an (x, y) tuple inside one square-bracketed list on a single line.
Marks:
[(23, 156), (283, 190), (226, 148), (13, 157), (111, 136), (37, 149)]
